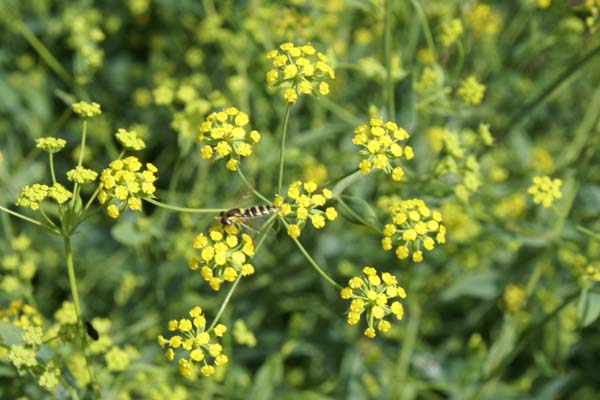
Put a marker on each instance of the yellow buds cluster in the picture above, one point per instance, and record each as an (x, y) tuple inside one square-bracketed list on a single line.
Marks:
[(380, 144), (20, 315), (224, 134), (414, 226), (50, 144), (450, 32), (195, 343), (130, 140), (31, 196), (223, 256), (301, 69), (545, 190), (307, 204), (86, 110), (377, 297), (514, 297), (81, 175), (126, 182), (471, 91)]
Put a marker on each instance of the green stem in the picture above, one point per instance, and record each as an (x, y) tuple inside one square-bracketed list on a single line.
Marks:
[(225, 302), (359, 218), (23, 217), (408, 343), (83, 135), (461, 57), (91, 199), (336, 180), (312, 261), (282, 147), (51, 157), (588, 232), (387, 49), (239, 277), (184, 209), (81, 330), (425, 26), (256, 192), (43, 52), (527, 110), (48, 220)]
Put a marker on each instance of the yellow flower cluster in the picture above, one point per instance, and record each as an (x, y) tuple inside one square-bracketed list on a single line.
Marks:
[(125, 181), (371, 294), (514, 297), (482, 19), (450, 32), (545, 190), (81, 175), (412, 224), (86, 110), (224, 134), (222, 256), (380, 144), (31, 196), (305, 206), (130, 140), (197, 344), (471, 91), (50, 144), (20, 315), (301, 68)]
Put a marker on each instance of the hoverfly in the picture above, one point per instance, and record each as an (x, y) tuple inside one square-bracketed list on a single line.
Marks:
[(235, 216)]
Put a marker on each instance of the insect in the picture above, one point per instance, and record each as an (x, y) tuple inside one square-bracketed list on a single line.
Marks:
[(238, 215), (91, 331)]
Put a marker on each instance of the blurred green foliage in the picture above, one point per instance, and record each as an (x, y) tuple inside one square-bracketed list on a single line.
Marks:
[(506, 309)]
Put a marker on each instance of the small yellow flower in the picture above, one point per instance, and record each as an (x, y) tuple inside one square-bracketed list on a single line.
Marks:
[(369, 294), (471, 91), (380, 145), (86, 110), (545, 190), (50, 144)]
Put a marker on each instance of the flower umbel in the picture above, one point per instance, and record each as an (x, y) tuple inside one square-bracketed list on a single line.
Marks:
[(307, 204), (50, 144), (195, 344), (31, 196), (223, 256), (380, 144), (125, 182), (545, 190), (130, 140), (414, 226), (223, 134), (302, 69), (471, 91), (371, 294), (85, 109)]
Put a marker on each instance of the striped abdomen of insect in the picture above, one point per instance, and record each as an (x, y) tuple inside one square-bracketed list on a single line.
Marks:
[(235, 214)]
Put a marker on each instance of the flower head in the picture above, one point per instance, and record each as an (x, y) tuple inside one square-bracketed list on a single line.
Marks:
[(413, 227), (81, 175), (20, 315), (85, 109), (450, 32), (125, 183), (194, 343), (471, 91), (381, 146), (31, 196), (50, 144), (305, 204), (545, 190), (224, 134), (301, 69), (222, 256), (130, 139), (375, 296)]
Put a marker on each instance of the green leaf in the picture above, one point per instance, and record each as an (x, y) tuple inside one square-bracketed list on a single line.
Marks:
[(588, 309), (501, 348), (357, 211), (268, 377), (482, 285)]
